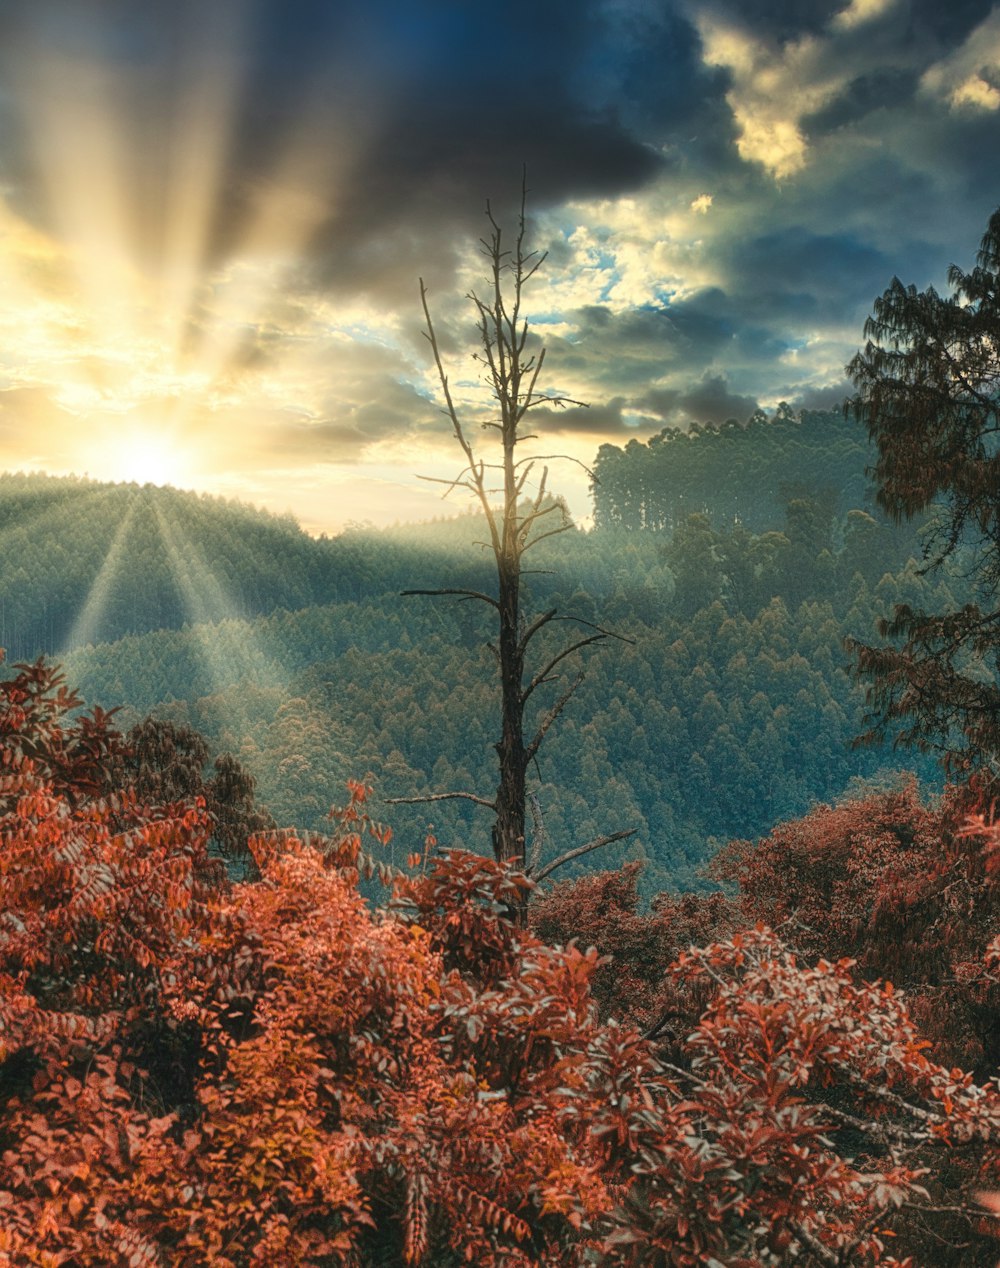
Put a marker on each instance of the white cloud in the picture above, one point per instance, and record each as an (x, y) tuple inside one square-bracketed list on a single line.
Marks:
[(773, 89), (860, 12), (976, 93), (969, 78), (631, 252)]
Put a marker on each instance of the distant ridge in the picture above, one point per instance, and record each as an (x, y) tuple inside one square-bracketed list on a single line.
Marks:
[(84, 561)]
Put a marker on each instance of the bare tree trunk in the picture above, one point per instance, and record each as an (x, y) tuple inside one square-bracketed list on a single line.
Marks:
[(514, 527), (508, 830)]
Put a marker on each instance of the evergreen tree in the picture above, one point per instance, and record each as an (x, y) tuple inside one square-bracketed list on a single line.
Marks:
[(928, 383)]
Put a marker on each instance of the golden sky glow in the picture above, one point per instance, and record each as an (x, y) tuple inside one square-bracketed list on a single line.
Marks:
[(213, 217)]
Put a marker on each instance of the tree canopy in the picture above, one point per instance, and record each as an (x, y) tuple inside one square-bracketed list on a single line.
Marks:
[(928, 383)]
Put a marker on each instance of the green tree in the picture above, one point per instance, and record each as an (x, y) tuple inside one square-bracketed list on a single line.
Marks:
[(928, 382)]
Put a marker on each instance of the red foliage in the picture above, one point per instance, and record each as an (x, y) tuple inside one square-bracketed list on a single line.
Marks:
[(602, 910), (274, 1073), (891, 883), (95, 899), (812, 1120)]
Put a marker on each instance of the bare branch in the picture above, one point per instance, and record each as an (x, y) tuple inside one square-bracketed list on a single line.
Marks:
[(551, 457), (552, 532), (893, 1098), (578, 620), (467, 594), (543, 674), (540, 495), (560, 402), (540, 512), (537, 624), (880, 1129), (529, 397), (538, 834), (596, 844), (446, 796), (457, 483), (532, 749), (660, 1024), (822, 1252), (456, 422)]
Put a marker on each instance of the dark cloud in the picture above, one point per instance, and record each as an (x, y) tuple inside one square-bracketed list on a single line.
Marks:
[(824, 398), (784, 20), (946, 25), (601, 420), (634, 345), (644, 64), (708, 401), (796, 273), (883, 89), (404, 118), (421, 187)]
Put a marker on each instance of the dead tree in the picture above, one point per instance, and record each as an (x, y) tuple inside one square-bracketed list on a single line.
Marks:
[(523, 516)]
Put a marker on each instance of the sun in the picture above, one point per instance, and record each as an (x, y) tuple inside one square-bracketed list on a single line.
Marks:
[(146, 456)]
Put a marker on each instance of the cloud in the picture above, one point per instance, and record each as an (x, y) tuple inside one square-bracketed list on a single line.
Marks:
[(860, 13), (362, 136), (831, 397), (793, 82), (772, 88), (599, 420), (968, 79), (707, 401), (801, 271), (215, 215)]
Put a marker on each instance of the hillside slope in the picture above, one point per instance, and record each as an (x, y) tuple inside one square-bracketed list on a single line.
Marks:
[(731, 709)]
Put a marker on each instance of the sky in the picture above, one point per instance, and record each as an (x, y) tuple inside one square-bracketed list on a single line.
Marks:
[(213, 218)]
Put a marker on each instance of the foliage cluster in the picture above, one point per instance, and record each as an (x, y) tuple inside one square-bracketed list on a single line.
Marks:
[(879, 889), (193, 1072)]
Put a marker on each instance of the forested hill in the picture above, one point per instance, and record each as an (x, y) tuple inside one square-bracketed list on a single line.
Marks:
[(732, 710), (86, 562), (733, 473)]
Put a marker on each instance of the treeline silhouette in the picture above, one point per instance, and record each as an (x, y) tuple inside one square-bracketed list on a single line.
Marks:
[(736, 473)]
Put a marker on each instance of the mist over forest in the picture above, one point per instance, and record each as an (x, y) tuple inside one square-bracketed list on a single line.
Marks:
[(737, 559)]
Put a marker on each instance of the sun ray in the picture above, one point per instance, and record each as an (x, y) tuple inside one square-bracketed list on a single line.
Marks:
[(86, 627), (226, 643), (80, 151), (164, 296), (205, 106)]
